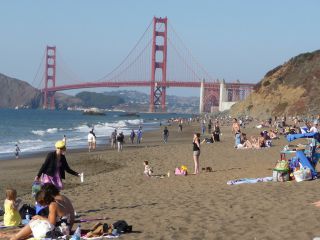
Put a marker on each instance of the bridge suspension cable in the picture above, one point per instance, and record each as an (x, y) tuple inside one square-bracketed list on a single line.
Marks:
[(125, 60)]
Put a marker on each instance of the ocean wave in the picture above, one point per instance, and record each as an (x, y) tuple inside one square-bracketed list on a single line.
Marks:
[(82, 128), (135, 121), (52, 130), (38, 132), (29, 141)]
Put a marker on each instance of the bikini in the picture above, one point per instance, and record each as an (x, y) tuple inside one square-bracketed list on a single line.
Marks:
[(62, 219)]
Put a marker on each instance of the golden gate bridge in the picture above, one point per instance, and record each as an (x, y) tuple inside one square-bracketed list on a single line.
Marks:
[(158, 60)]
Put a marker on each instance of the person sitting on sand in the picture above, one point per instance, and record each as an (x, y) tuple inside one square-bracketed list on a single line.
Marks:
[(272, 134), (244, 142), (59, 212), (11, 215), (147, 169), (62, 200), (208, 140)]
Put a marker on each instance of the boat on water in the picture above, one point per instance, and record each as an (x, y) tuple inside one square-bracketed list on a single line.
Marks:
[(94, 111), (131, 114)]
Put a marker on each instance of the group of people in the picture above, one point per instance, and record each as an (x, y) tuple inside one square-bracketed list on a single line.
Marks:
[(60, 209), (118, 139)]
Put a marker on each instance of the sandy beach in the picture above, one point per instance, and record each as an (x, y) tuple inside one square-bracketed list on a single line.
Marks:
[(182, 207)]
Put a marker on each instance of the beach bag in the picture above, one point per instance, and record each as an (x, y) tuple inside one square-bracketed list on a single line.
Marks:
[(182, 171), (280, 176), (27, 208), (36, 187), (302, 174), (282, 165)]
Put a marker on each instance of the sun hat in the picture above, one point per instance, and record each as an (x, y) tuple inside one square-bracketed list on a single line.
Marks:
[(60, 144)]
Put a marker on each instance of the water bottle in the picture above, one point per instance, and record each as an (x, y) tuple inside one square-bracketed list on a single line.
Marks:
[(27, 216), (77, 234)]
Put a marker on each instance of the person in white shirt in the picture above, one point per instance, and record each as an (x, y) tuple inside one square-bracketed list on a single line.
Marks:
[(91, 141), (314, 128)]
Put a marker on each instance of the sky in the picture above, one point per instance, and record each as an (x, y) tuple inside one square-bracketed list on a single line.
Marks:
[(233, 40)]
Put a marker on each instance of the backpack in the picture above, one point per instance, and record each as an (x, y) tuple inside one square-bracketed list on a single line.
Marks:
[(23, 211), (122, 226)]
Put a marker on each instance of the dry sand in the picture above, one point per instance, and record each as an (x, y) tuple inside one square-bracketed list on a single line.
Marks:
[(178, 207)]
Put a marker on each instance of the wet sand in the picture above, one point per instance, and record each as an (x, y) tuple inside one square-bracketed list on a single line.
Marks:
[(182, 207)]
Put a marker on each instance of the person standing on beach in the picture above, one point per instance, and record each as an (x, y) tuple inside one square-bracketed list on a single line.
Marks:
[(120, 140), (54, 168), (196, 152), (113, 139), (65, 140), (165, 134), (91, 141), (180, 125), (17, 151), (94, 139), (236, 130), (139, 136), (216, 132), (203, 127), (132, 136)]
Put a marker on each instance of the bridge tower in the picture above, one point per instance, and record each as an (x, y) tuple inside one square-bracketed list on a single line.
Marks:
[(158, 91), (50, 77)]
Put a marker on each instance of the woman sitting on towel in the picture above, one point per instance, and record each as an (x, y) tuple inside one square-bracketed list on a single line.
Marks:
[(60, 211)]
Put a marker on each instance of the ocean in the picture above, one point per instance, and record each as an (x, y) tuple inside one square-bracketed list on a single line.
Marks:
[(38, 130)]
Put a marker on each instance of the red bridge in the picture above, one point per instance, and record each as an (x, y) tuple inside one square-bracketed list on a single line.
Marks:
[(158, 60)]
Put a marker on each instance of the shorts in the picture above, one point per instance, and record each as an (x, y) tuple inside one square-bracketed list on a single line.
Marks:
[(196, 153)]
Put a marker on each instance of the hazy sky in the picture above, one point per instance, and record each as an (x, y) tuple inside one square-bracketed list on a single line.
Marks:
[(231, 39)]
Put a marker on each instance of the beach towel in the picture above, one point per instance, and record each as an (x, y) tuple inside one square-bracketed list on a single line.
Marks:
[(292, 137), (249, 180)]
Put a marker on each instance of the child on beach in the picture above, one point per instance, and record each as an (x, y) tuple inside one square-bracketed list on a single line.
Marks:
[(147, 169), (11, 214)]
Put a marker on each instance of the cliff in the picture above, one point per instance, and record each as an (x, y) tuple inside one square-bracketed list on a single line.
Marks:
[(14, 93), (289, 89)]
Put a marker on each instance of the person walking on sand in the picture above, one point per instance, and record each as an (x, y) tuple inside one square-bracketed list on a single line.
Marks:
[(196, 152), (165, 134), (17, 151), (54, 168)]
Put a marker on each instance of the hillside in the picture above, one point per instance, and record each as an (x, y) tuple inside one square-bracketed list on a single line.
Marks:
[(14, 93), (17, 93), (289, 89), (139, 101), (99, 100)]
